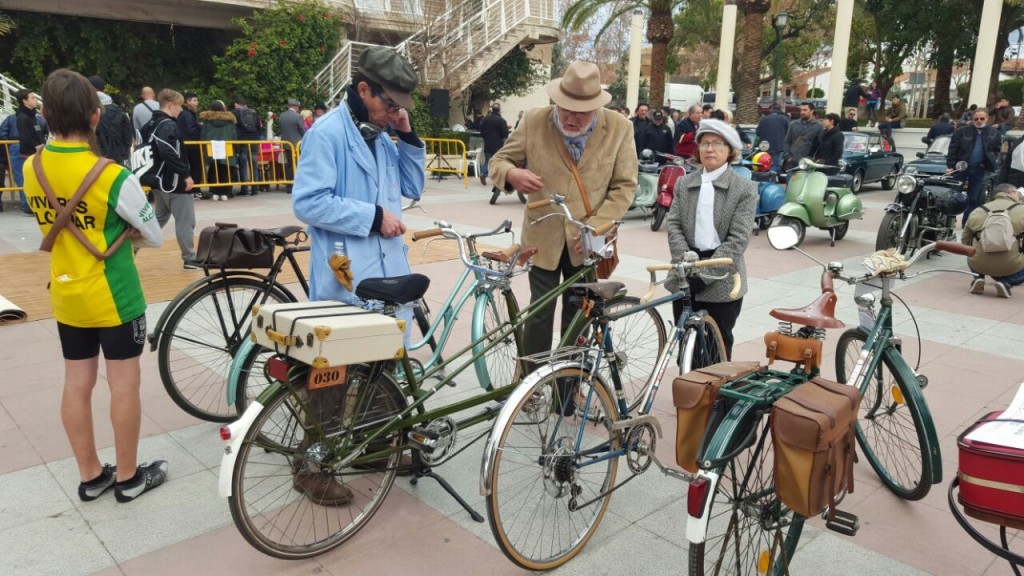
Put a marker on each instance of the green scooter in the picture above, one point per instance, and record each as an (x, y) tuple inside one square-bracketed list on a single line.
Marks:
[(815, 199)]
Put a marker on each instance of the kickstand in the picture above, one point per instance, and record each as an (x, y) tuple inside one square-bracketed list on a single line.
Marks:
[(421, 470), (832, 236)]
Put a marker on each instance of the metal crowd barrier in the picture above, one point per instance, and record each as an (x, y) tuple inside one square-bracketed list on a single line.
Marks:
[(447, 156), (6, 176)]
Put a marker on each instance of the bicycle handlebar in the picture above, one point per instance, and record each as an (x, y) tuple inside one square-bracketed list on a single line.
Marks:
[(538, 203), (429, 233), (603, 229), (684, 269)]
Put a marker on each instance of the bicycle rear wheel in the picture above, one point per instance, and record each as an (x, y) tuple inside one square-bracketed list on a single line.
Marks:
[(199, 340), (539, 476), (702, 345), (283, 477), (750, 531), (890, 429)]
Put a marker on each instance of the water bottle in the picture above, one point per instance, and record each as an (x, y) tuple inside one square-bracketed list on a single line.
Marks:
[(339, 248)]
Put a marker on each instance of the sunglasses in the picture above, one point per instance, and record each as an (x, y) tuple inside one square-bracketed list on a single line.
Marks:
[(980, 118)]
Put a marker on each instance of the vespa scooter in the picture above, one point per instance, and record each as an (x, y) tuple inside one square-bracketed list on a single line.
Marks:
[(810, 201), (647, 184), (670, 173), (770, 195)]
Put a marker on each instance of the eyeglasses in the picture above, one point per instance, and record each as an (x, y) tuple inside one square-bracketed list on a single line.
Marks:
[(712, 145), (980, 118), (391, 105)]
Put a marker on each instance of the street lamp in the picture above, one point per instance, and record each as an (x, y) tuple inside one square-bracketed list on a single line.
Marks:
[(779, 24)]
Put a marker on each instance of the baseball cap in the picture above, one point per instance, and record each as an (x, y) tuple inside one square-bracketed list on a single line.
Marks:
[(392, 72)]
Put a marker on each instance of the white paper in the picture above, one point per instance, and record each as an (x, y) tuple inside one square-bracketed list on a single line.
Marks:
[(1009, 434), (597, 244), (218, 150), (10, 312)]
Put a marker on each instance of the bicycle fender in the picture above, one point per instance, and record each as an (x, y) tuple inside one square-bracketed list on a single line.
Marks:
[(697, 528), (505, 415), (914, 391), (895, 207), (239, 428), (477, 333)]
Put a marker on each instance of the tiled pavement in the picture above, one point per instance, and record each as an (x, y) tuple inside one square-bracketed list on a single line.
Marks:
[(972, 349)]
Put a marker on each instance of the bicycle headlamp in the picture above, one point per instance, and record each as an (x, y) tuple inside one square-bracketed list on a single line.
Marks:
[(905, 184), (865, 300)]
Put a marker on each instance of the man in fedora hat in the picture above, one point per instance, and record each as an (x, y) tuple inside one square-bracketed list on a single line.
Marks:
[(599, 142), (349, 186)]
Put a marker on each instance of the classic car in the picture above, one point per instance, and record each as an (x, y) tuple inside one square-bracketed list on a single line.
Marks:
[(869, 158)]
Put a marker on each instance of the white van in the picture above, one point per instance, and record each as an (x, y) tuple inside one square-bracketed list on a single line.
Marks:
[(682, 96)]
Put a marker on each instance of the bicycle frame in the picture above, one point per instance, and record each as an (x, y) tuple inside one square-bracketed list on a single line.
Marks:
[(880, 343)]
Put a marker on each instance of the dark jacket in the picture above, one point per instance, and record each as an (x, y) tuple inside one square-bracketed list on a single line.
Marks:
[(772, 129), (1002, 115), (852, 96), (240, 126), (9, 131), (291, 125), (167, 166), (30, 133), (219, 126), (641, 134), (660, 139), (962, 144), (847, 124), (115, 134), (686, 143), (800, 139), (494, 130), (830, 146), (940, 128), (188, 125)]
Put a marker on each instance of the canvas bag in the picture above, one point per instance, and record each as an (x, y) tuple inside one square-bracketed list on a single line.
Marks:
[(997, 231), (693, 394), (607, 266), (228, 246), (813, 434)]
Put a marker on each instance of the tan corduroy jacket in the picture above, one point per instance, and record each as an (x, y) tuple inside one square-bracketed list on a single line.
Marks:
[(608, 168)]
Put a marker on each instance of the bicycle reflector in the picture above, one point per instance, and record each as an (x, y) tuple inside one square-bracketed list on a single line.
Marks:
[(897, 395), (764, 562), (697, 496), (277, 368), (225, 433)]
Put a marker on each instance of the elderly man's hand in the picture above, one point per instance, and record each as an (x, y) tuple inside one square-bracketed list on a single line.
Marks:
[(391, 226), (524, 181), (399, 120)]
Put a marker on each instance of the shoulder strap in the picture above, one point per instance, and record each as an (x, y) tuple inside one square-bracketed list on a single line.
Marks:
[(579, 180), (65, 213)]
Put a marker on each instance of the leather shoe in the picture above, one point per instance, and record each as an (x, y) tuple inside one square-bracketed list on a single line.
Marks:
[(321, 488)]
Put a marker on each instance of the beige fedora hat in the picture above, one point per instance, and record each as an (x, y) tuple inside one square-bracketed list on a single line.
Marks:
[(580, 89)]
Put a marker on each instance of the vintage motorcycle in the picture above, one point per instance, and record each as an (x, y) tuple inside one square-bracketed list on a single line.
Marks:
[(667, 177), (925, 211), (647, 184), (811, 201)]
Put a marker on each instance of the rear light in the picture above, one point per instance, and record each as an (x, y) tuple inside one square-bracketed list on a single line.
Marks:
[(225, 433), (697, 496), (277, 368)]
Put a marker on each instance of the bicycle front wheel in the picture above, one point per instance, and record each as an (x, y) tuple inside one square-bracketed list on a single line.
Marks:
[(750, 531), (890, 429), (499, 366), (702, 345), (199, 340), (288, 500), (549, 485), (638, 339)]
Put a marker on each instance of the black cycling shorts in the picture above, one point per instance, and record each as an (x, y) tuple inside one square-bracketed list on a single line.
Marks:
[(118, 342)]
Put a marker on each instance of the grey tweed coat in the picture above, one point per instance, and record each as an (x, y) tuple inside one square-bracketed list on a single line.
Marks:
[(735, 201)]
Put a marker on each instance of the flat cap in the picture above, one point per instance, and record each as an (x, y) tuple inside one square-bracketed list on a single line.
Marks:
[(393, 72)]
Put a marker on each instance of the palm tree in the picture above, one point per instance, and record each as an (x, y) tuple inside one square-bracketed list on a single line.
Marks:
[(748, 73), (660, 30), (6, 24)]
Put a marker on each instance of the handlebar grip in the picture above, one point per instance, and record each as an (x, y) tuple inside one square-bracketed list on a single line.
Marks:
[(955, 248), (603, 229), (713, 262), (660, 267), (421, 234), (647, 297), (737, 283), (539, 203), (826, 282)]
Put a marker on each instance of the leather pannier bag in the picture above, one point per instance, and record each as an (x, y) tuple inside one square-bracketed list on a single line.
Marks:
[(991, 478), (693, 394), (813, 433), (228, 246), (806, 351)]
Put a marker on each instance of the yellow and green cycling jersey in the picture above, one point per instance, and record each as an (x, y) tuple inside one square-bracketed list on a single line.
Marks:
[(85, 292)]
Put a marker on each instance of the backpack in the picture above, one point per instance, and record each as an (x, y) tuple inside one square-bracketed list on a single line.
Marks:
[(109, 131), (144, 161), (247, 121), (997, 231)]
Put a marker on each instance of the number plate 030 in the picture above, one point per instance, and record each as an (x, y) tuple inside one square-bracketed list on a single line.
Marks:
[(327, 377)]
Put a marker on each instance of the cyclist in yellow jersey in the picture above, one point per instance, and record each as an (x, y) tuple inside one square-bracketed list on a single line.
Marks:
[(97, 304)]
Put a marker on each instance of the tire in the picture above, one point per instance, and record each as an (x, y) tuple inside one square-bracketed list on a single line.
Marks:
[(890, 180), (765, 222), (199, 340), (889, 232), (420, 314), (637, 339), (749, 530), (658, 217), (273, 515), (796, 224), (890, 431), (858, 182), (253, 378), (841, 230), (703, 345), (522, 197), (499, 366), (535, 474)]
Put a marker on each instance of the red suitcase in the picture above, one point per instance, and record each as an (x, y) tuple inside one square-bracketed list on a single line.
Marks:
[(991, 480)]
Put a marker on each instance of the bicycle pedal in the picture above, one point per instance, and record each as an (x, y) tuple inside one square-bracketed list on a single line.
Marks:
[(844, 523), (423, 439)]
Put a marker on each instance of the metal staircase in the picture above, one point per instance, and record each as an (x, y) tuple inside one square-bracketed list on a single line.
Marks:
[(452, 50), (8, 105)]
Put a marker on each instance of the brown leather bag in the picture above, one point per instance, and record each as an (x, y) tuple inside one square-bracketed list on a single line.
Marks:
[(607, 266), (806, 351), (693, 394), (65, 212), (813, 433), (228, 246)]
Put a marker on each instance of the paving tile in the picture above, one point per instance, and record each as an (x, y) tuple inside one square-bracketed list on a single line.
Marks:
[(29, 495), (837, 555), (30, 550), (632, 550), (16, 452)]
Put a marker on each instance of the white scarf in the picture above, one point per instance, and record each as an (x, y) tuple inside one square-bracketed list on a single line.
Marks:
[(705, 237)]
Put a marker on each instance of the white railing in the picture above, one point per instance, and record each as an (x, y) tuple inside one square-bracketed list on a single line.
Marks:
[(336, 75), (8, 105)]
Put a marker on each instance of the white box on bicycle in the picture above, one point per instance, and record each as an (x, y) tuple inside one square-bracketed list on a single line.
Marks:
[(323, 334)]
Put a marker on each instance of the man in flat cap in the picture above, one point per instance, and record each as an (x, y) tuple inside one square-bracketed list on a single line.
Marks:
[(599, 143), (292, 129)]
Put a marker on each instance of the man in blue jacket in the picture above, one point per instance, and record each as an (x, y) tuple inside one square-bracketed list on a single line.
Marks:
[(349, 186)]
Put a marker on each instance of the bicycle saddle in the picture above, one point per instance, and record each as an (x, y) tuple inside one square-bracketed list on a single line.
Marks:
[(818, 314), (397, 290), (281, 233), (599, 290)]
